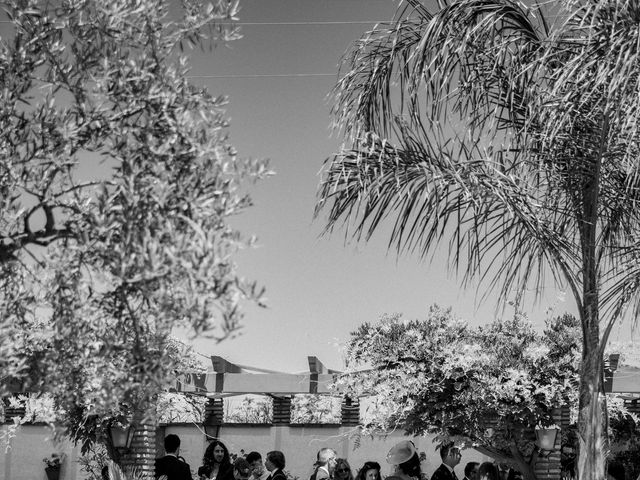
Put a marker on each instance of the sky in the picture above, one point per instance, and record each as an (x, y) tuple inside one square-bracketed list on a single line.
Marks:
[(319, 288)]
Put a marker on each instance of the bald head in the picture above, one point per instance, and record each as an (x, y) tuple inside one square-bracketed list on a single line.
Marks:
[(327, 457), (326, 454)]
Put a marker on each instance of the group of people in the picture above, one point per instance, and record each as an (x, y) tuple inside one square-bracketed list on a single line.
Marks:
[(217, 465), (404, 457)]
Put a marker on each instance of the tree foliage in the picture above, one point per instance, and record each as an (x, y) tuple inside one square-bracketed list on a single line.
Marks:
[(489, 386), (312, 408), (250, 409), (510, 133), (117, 182)]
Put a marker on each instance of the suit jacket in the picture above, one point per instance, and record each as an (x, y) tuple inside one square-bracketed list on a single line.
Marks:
[(173, 468), (277, 474), (322, 472), (443, 473)]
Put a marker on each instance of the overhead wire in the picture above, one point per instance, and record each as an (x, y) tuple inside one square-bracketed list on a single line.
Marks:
[(277, 75), (264, 75), (301, 23)]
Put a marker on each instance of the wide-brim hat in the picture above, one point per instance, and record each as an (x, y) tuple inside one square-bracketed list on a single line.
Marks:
[(401, 452)]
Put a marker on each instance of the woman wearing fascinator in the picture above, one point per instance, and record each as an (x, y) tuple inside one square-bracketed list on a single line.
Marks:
[(406, 460)]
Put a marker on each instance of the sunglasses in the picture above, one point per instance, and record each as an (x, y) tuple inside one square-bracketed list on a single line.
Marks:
[(342, 470)]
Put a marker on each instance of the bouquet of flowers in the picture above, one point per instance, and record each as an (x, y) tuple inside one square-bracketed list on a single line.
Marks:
[(54, 461)]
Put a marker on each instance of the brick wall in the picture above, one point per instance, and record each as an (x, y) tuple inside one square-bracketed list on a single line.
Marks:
[(142, 454), (547, 466), (281, 410)]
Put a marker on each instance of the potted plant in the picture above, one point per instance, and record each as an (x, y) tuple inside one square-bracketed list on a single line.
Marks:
[(53, 464)]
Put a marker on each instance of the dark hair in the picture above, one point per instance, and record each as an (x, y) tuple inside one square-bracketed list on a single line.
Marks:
[(208, 458), (489, 470), (412, 466), (345, 464), (366, 467), (616, 470), (242, 467), (469, 468), (171, 443), (277, 458), (445, 449), (253, 456)]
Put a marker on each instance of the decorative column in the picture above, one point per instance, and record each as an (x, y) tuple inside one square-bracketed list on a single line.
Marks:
[(281, 410), (281, 419), (213, 418), (350, 412), (142, 453), (11, 412), (548, 467)]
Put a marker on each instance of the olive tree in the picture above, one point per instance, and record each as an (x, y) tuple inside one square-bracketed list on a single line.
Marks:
[(117, 183)]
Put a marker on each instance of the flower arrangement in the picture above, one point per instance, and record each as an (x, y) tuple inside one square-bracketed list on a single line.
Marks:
[(54, 461)]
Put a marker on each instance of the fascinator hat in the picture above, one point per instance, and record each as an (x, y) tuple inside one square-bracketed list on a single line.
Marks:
[(401, 452)]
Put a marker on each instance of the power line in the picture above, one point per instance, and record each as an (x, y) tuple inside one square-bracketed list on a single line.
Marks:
[(266, 75), (281, 24), (339, 22)]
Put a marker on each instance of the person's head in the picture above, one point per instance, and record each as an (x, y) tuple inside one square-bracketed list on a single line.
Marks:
[(450, 454), (615, 471), (411, 467), (327, 457), (255, 462), (343, 470), (171, 443), (241, 469), (488, 471), (405, 458), (471, 470), (369, 471), (275, 460), (216, 453)]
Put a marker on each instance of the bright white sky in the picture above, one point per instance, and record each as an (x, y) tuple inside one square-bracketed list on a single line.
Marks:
[(319, 288)]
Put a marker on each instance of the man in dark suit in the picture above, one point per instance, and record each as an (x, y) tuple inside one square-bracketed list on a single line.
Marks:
[(450, 455), (471, 471), (170, 466), (275, 463)]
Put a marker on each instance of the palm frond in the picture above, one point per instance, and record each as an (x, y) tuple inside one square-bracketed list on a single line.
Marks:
[(514, 139)]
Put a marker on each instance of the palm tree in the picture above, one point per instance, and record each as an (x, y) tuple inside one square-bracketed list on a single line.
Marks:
[(515, 139)]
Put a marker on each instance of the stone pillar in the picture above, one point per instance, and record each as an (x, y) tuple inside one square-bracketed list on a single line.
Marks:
[(281, 410), (350, 412), (214, 411), (10, 412), (213, 416), (548, 467), (142, 454)]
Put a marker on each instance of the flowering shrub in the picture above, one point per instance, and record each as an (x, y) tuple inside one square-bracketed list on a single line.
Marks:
[(487, 387)]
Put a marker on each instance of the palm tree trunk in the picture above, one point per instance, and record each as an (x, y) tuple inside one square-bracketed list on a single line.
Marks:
[(590, 434), (590, 419), (591, 451)]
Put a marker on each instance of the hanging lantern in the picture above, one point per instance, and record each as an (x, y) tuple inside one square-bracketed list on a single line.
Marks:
[(546, 438), (121, 437)]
